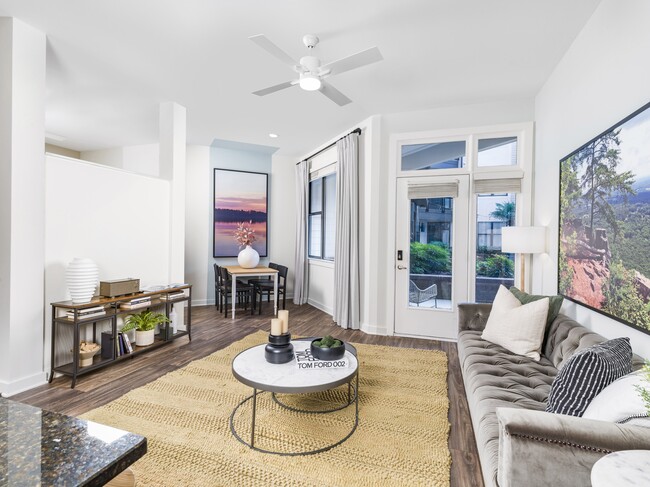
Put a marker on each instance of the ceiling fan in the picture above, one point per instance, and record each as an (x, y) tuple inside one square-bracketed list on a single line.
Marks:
[(311, 74)]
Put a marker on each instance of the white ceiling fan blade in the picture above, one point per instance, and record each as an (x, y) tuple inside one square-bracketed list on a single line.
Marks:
[(333, 94), (357, 60), (273, 89), (262, 41)]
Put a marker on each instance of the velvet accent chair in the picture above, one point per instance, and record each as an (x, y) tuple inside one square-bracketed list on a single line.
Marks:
[(224, 286), (265, 286)]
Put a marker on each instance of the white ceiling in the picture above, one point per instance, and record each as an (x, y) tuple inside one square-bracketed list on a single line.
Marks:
[(111, 62)]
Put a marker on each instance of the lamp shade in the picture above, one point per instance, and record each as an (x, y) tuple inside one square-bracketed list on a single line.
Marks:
[(523, 240)]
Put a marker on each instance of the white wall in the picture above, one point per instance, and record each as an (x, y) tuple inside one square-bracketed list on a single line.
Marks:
[(282, 218), (124, 227), (143, 159), (197, 217), (602, 78), (22, 187)]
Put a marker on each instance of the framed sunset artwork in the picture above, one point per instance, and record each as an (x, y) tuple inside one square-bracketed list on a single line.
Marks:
[(239, 196)]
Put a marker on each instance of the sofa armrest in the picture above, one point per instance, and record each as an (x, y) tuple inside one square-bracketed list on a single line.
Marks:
[(537, 448), (473, 316)]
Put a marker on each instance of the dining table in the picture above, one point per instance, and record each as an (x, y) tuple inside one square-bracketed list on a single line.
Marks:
[(237, 271)]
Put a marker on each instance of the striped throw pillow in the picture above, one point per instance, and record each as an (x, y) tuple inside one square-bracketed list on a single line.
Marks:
[(587, 373)]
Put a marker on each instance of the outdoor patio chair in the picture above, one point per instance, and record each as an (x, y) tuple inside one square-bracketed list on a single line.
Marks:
[(417, 295)]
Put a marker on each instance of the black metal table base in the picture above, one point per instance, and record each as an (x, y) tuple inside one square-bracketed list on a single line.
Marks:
[(351, 399)]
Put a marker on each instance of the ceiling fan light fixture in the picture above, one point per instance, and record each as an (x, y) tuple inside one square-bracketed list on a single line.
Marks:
[(309, 82)]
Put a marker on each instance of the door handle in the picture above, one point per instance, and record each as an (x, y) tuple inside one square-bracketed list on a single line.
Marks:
[(402, 267)]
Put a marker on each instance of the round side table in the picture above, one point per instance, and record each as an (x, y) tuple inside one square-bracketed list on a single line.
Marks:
[(622, 469)]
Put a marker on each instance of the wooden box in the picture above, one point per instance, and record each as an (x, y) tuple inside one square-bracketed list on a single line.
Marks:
[(119, 287)]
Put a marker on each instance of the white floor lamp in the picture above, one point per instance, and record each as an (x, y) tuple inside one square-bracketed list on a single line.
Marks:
[(522, 241)]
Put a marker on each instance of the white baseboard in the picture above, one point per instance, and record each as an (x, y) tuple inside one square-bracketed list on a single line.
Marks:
[(15, 387), (320, 306), (373, 329)]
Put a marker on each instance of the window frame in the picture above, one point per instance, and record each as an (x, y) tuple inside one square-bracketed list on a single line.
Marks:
[(323, 215)]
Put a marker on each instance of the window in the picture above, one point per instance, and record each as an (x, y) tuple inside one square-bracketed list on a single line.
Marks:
[(493, 268), (500, 151), (441, 155), (322, 217)]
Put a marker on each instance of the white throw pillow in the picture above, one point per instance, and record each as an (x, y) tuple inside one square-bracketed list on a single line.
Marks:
[(516, 327), (619, 401)]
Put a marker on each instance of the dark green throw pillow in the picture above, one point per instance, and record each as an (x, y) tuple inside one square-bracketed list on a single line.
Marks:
[(554, 303)]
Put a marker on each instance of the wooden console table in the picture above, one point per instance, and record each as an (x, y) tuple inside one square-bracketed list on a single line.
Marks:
[(159, 299)]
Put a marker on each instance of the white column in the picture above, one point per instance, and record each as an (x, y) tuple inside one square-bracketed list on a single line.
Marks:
[(22, 207), (172, 167)]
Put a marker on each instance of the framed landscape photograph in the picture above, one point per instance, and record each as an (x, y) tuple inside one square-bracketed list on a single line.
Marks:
[(604, 244), (239, 196)]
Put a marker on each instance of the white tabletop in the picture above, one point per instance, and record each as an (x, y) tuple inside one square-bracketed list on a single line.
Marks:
[(622, 469), (251, 368)]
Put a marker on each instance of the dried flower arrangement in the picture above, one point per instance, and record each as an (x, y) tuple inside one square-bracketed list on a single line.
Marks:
[(245, 235)]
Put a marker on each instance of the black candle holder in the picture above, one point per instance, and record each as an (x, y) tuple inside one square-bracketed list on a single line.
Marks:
[(279, 350)]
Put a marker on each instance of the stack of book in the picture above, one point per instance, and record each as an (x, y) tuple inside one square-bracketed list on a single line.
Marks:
[(172, 296), (123, 345), (86, 313), (306, 361), (136, 303)]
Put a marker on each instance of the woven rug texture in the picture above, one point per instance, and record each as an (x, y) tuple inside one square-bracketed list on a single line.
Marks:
[(401, 439)]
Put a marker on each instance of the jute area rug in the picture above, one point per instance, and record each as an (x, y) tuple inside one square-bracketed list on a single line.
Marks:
[(401, 439)]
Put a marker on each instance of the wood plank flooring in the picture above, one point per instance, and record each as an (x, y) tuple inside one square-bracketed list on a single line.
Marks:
[(211, 332)]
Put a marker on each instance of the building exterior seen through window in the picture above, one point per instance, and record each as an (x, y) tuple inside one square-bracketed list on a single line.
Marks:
[(493, 267), (431, 252)]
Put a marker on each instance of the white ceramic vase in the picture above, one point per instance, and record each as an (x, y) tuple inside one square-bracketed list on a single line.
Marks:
[(144, 338), (248, 257), (81, 278)]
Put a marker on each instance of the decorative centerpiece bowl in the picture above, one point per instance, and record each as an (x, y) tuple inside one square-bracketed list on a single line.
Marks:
[(87, 351), (328, 348)]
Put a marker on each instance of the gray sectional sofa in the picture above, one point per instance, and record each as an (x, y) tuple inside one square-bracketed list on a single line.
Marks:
[(520, 444)]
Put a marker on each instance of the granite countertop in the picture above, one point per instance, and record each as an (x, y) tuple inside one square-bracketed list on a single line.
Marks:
[(39, 447)]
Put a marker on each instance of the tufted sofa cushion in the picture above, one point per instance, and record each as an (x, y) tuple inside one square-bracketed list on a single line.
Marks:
[(495, 377)]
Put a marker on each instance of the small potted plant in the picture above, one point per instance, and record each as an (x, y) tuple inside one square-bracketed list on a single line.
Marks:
[(144, 324), (327, 348)]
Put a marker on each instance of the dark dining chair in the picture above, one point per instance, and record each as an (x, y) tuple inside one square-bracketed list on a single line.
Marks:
[(244, 292), (262, 287), (217, 289)]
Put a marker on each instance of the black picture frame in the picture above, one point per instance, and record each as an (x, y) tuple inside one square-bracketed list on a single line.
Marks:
[(603, 234), (239, 196)]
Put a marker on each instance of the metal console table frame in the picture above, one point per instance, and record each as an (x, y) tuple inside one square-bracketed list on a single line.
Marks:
[(260, 388)]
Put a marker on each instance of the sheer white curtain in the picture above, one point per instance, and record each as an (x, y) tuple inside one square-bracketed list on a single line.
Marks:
[(346, 256), (300, 279)]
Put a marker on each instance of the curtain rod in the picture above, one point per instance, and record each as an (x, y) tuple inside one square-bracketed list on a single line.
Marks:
[(355, 131)]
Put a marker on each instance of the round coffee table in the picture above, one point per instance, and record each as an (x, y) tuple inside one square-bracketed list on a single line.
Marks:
[(251, 368)]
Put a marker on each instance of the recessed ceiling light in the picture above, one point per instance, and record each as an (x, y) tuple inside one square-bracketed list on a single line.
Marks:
[(273, 136)]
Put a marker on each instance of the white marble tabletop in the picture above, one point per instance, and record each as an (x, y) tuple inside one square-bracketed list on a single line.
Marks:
[(622, 469), (251, 368)]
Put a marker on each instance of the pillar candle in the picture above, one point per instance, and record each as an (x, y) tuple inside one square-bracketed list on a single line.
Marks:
[(283, 315), (276, 327)]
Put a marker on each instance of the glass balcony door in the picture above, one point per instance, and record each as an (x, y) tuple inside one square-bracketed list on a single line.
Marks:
[(432, 255)]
